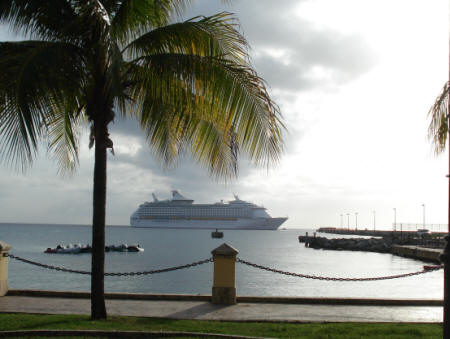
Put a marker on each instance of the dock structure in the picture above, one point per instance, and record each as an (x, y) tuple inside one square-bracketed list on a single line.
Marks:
[(409, 244), (417, 252), (372, 233)]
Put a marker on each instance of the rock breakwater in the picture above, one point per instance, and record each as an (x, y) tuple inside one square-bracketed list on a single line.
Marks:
[(354, 244)]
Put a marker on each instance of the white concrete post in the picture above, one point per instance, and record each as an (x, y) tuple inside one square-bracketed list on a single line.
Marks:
[(4, 250), (224, 290)]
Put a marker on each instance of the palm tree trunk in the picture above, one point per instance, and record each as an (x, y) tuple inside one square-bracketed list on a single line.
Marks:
[(98, 309)]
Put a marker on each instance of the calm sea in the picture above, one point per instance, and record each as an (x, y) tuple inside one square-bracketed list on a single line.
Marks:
[(169, 247)]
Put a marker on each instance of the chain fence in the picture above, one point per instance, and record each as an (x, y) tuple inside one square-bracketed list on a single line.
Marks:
[(241, 261), (113, 274), (307, 276)]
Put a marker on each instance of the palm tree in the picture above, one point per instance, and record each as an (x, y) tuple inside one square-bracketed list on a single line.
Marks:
[(189, 84), (438, 128), (438, 131)]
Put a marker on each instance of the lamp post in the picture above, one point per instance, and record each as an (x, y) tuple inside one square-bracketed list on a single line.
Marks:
[(356, 221), (342, 221), (395, 219), (423, 205), (348, 220), (374, 218)]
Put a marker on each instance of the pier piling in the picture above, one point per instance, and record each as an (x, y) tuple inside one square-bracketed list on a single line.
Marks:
[(224, 289), (4, 251)]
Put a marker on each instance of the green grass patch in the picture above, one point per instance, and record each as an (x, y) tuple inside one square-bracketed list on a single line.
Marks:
[(263, 329)]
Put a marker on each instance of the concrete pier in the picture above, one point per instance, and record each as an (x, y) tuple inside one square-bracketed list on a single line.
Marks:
[(373, 233), (417, 252), (381, 245)]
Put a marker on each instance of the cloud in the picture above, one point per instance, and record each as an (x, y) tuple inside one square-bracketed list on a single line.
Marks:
[(291, 53), (356, 153)]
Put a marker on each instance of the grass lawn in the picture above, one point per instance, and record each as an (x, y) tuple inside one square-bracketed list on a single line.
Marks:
[(272, 330)]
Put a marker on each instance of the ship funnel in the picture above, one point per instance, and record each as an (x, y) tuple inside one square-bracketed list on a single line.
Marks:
[(155, 199)]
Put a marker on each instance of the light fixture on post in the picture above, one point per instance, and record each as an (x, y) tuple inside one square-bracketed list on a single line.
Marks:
[(374, 218), (423, 205), (395, 219)]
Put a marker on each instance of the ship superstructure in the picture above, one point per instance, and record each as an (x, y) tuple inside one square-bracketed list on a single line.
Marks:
[(180, 212)]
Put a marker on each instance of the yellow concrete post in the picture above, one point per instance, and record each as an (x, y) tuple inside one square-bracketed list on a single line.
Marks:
[(224, 290), (4, 250)]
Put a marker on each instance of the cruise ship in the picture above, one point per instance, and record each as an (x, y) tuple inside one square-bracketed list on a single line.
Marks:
[(180, 212)]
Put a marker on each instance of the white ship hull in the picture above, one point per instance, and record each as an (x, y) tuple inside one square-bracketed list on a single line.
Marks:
[(242, 224), (180, 212)]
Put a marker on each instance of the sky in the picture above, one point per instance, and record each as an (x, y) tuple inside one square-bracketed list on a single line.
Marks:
[(354, 80)]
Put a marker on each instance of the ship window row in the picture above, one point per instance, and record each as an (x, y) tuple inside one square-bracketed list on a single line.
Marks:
[(198, 212)]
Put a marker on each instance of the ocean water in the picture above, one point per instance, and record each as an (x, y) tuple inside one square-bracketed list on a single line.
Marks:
[(171, 247)]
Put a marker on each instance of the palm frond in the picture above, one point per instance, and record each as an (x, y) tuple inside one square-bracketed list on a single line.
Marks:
[(39, 19), (215, 36), (132, 18), (202, 90), (190, 84), (37, 79), (63, 138), (215, 148), (439, 125), (171, 133)]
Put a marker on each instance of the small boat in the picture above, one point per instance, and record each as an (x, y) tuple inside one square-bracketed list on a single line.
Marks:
[(78, 248), (50, 250), (124, 248), (117, 248), (135, 248), (86, 249), (69, 249), (217, 234)]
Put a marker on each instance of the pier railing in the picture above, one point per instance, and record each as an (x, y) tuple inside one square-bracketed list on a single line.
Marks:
[(411, 226)]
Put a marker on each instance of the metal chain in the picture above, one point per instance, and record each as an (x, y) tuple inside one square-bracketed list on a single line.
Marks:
[(201, 262), (162, 270), (306, 276), (50, 267)]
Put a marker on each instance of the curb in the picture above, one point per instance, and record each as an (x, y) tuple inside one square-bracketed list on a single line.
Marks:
[(116, 334), (239, 299), (108, 295)]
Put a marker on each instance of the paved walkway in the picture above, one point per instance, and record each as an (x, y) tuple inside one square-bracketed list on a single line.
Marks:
[(241, 312)]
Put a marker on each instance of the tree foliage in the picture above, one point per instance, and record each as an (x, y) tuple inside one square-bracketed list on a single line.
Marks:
[(189, 84), (438, 128)]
